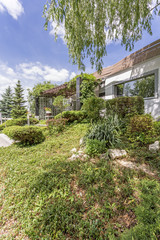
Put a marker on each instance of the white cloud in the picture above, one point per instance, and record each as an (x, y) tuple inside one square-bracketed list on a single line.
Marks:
[(60, 30), (30, 74), (13, 7), (73, 74)]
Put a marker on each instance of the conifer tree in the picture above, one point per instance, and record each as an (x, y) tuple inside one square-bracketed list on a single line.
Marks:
[(6, 103), (18, 110)]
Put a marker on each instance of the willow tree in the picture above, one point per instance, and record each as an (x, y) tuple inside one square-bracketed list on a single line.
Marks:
[(90, 24)]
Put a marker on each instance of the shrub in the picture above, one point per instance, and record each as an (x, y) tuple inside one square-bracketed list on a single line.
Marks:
[(94, 147), (157, 128), (56, 124), (18, 122), (125, 106), (107, 130), (27, 135), (92, 107), (71, 116), (141, 129)]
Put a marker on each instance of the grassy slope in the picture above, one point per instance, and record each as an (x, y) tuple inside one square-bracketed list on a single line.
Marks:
[(45, 196)]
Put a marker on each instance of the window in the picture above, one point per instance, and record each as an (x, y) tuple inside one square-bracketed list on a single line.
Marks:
[(144, 87)]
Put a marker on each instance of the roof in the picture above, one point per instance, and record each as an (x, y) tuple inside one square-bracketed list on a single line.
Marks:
[(63, 89), (139, 56)]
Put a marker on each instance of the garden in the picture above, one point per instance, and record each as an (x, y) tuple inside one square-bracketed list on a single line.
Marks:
[(47, 194)]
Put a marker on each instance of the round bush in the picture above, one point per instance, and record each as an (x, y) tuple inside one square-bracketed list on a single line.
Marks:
[(27, 135)]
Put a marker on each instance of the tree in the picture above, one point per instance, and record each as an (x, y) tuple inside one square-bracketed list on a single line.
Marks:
[(6, 103), (36, 92), (90, 24), (59, 102), (18, 108)]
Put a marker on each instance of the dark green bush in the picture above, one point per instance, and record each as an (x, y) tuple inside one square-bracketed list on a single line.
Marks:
[(157, 128), (27, 135), (92, 107), (141, 129), (107, 130), (56, 124), (94, 147), (125, 106), (18, 122), (71, 116)]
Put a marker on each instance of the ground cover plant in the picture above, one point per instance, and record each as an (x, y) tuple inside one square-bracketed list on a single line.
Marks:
[(44, 195)]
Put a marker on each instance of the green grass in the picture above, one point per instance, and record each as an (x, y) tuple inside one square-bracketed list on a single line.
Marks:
[(45, 196)]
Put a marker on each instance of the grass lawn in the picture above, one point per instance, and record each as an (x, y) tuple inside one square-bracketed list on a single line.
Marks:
[(45, 196)]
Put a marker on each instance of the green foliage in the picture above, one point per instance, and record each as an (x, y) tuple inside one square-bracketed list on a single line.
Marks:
[(18, 108), (71, 116), (6, 103), (147, 212), (140, 129), (56, 125), (92, 107), (125, 107), (87, 87), (59, 102), (157, 128), (18, 122), (107, 130), (94, 147), (86, 37), (27, 135), (36, 92)]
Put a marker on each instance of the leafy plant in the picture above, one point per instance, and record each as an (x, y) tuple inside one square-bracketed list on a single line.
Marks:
[(56, 124), (27, 135), (107, 130), (141, 129), (94, 147), (92, 107), (147, 212), (71, 116)]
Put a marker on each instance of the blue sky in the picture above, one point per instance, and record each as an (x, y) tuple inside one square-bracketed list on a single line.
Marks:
[(30, 54)]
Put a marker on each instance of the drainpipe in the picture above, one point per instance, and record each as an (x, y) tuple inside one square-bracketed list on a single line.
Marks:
[(78, 93)]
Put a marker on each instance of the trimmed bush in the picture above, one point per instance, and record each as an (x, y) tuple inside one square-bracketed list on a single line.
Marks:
[(141, 129), (18, 122), (27, 135), (92, 107), (95, 147), (71, 116), (107, 130), (56, 124), (125, 106)]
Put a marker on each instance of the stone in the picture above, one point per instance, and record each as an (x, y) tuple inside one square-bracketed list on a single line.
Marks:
[(74, 157), (80, 152), (81, 141), (154, 147), (104, 156), (5, 141), (116, 153), (73, 150)]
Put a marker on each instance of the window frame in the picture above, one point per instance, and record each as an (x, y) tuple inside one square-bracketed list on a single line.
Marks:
[(154, 72)]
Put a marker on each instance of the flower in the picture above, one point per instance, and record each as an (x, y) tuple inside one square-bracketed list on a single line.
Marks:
[(47, 109)]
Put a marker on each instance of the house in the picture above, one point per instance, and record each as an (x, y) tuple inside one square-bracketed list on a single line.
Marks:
[(136, 74)]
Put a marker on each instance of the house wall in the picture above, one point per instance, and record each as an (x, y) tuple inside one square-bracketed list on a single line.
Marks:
[(152, 105)]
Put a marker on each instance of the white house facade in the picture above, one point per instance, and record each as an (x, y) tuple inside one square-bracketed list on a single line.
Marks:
[(137, 74)]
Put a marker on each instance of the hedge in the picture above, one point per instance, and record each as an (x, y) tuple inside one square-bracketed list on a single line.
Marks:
[(71, 116), (125, 106), (27, 135), (18, 122)]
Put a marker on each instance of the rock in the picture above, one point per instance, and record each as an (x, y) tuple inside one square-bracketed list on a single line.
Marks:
[(80, 152), (74, 157), (73, 150), (116, 153), (81, 141), (104, 156), (5, 141), (154, 147)]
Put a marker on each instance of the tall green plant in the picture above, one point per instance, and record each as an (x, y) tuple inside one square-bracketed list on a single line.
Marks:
[(18, 107), (6, 103)]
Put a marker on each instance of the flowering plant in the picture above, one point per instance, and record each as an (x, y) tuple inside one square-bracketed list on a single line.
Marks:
[(47, 109)]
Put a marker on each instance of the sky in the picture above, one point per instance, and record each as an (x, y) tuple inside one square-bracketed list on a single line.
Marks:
[(30, 54)]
